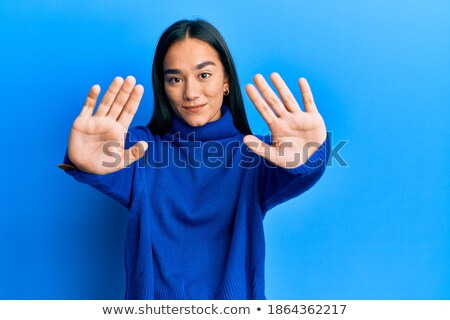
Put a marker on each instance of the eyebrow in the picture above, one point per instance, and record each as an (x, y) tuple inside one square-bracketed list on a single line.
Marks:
[(197, 67)]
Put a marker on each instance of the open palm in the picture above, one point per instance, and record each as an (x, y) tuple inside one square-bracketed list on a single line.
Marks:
[(97, 141), (296, 134)]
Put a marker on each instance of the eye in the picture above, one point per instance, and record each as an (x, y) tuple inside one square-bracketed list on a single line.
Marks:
[(205, 75), (174, 80)]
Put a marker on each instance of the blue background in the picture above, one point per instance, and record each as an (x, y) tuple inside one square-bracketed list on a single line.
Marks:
[(378, 228)]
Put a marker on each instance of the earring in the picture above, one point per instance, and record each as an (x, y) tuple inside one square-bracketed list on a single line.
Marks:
[(226, 92)]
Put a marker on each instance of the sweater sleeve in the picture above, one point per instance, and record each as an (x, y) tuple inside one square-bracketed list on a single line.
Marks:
[(278, 184), (117, 185)]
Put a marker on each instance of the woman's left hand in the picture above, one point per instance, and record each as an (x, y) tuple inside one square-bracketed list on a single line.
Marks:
[(296, 134)]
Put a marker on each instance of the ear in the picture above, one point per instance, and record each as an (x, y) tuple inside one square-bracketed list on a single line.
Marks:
[(226, 82)]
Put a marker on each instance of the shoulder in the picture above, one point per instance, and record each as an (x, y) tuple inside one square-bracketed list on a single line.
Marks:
[(266, 138), (140, 133)]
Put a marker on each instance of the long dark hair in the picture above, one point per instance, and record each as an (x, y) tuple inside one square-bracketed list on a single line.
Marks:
[(202, 30)]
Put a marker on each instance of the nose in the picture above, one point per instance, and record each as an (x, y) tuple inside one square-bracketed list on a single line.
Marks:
[(191, 90)]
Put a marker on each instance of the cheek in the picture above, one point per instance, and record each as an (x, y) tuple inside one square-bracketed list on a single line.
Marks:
[(171, 94), (216, 89)]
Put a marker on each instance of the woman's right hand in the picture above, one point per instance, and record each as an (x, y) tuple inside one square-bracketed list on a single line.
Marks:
[(97, 141)]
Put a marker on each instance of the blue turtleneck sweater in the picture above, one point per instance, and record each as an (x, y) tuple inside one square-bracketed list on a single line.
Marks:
[(197, 201)]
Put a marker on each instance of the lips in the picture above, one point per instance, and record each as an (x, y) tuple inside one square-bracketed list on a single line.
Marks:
[(195, 108)]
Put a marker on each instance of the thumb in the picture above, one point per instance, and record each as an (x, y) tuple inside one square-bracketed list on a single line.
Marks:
[(135, 152), (261, 148)]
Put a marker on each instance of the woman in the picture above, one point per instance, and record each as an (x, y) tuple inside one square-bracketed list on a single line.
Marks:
[(197, 183)]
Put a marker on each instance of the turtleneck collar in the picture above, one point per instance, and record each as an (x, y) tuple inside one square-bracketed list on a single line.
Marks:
[(216, 130)]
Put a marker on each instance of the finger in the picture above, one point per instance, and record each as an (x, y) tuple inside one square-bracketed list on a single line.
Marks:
[(307, 96), (269, 95), (131, 107), (286, 95), (135, 153), (261, 148), (122, 97), (109, 97), (91, 101), (268, 115)]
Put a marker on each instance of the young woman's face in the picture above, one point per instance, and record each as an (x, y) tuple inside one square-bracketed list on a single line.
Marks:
[(194, 81)]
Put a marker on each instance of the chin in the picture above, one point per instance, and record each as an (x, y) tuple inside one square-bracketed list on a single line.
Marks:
[(195, 122), (198, 118)]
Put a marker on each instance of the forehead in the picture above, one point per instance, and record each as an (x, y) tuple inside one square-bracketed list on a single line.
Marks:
[(190, 52)]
